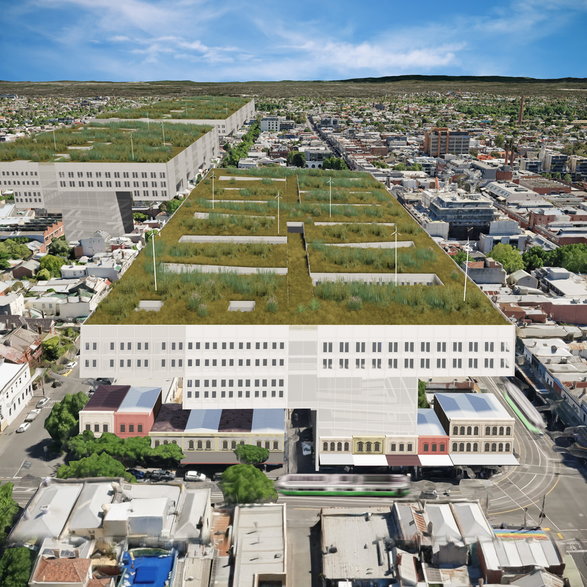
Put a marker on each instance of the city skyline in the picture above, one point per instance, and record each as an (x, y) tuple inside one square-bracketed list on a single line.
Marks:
[(205, 41)]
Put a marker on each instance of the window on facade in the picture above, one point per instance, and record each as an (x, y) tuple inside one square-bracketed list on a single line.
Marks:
[(360, 446), (123, 427), (200, 445), (191, 445), (425, 447), (461, 446), (508, 431), (131, 427), (139, 427), (324, 446), (208, 444), (454, 447), (468, 447)]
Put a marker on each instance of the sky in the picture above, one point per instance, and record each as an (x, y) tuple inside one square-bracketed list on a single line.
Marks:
[(241, 40)]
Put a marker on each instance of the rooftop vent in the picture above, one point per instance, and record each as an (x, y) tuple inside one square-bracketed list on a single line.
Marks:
[(150, 305), (241, 306)]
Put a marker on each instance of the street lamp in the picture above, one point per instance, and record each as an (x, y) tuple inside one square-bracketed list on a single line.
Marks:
[(153, 235), (278, 198), (395, 253), (467, 249), (212, 189), (330, 197)]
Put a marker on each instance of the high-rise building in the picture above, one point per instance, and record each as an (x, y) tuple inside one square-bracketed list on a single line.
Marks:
[(440, 141)]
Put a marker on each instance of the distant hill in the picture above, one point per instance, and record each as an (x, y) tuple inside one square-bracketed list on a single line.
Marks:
[(465, 78)]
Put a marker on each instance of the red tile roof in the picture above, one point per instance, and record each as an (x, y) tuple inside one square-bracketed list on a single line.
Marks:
[(62, 570)]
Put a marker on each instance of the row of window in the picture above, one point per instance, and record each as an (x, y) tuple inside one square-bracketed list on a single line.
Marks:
[(410, 363), (239, 393), (193, 362), (178, 346), (115, 174), (409, 347), (10, 183), (19, 173), (122, 428), (194, 445), (17, 400), (108, 184), (474, 447), (230, 382), (489, 430), (435, 447)]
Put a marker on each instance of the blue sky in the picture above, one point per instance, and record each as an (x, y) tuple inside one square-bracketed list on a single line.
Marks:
[(239, 40)]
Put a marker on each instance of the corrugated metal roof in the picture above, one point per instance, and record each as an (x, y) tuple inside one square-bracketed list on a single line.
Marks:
[(107, 398), (471, 406), (203, 420), (268, 421), (140, 399)]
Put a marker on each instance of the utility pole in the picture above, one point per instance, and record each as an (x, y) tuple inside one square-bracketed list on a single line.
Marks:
[(330, 197), (278, 197), (163, 132), (154, 265), (54, 141), (132, 149), (467, 248), (395, 254), (212, 189)]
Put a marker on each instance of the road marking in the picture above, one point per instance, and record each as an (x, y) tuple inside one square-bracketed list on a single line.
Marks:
[(546, 529), (560, 535)]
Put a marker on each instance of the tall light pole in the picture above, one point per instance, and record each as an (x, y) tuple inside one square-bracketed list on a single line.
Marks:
[(395, 254), (278, 197), (154, 265), (212, 189), (330, 197), (163, 132), (467, 248), (132, 149)]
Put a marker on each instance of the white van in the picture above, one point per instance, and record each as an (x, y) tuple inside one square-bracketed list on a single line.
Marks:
[(194, 476)]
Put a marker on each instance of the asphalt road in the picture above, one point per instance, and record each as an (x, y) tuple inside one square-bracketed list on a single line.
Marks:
[(24, 457)]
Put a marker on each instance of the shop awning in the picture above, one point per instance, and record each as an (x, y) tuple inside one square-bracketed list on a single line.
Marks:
[(484, 460), (336, 459), (370, 460), (402, 460), (435, 460)]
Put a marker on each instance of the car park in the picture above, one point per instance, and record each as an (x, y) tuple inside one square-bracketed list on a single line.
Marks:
[(32, 415), (194, 476), (137, 473), (23, 427), (42, 402)]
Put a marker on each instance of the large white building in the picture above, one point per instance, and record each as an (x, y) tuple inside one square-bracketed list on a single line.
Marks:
[(15, 391), (357, 369)]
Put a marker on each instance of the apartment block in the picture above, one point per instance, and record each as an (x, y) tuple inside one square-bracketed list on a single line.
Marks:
[(440, 141)]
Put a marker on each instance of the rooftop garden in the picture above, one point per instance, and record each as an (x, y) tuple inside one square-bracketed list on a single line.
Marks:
[(194, 108), (110, 142), (238, 225)]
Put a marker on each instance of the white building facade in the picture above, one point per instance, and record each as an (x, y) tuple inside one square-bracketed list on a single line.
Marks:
[(16, 390), (276, 366)]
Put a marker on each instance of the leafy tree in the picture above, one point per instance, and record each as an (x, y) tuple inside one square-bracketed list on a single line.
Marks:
[(460, 257), (8, 510), (16, 566), (62, 422), (59, 247), (572, 257), (533, 258), (96, 465), (246, 484), (499, 141), (52, 264), (43, 275), (334, 163), (52, 348), (251, 454), (296, 159), (166, 455), (171, 206), (139, 216), (400, 167), (422, 401), (508, 256)]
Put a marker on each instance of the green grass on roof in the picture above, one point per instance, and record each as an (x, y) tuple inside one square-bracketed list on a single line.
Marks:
[(194, 108), (194, 298), (103, 142)]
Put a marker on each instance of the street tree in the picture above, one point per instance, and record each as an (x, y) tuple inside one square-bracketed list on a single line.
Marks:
[(296, 159), (16, 565), (53, 264), (8, 510), (59, 247), (508, 256), (246, 484), (62, 422), (96, 465), (251, 454)]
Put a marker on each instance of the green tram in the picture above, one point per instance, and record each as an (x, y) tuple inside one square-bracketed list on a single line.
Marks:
[(344, 485)]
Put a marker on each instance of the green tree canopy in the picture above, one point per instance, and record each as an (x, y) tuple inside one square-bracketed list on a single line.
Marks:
[(251, 454), (422, 401), (43, 275), (16, 565), (296, 158), (171, 205), (246, 484), (62, 422), (334, 163), (59, 247), (572, 257), (53, 264), (130, 451), (10, 249), (8, 510), (96, 465), (508, 256)]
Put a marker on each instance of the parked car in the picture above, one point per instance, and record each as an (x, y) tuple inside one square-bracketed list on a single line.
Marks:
[(161, 475), (429, 494), (71, 364), (194, 476), (42, 402), (104, 380), (137, 473), (23, 427), (32, 415), (307, 448), (56, 383)]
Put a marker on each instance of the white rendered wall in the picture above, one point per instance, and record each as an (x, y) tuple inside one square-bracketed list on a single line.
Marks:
[(289, 359), (15, 393)]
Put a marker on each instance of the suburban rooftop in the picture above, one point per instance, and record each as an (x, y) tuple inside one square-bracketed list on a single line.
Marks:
[(224, 259), (127, 142), (193, 108)]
